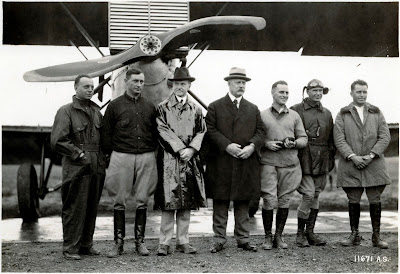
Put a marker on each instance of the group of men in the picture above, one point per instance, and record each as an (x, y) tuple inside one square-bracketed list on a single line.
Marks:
[(250, 154)]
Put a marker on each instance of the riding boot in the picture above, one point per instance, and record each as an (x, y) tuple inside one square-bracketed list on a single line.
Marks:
[(375, 213), (140, 227), (354, 215), (281, 217), (312, 238), (301, 239), (119, 234), (267, 216)]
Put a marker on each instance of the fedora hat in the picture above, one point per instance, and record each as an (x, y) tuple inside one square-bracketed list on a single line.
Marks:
[(237, 73), (182, 74), (315, 83)]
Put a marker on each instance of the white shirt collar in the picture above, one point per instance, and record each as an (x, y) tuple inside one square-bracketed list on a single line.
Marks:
[(184, 98), (238, 99), (360, 111)]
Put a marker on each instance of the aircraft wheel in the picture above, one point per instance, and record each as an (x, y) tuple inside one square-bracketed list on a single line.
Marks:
[(27, 190), (253, 207)]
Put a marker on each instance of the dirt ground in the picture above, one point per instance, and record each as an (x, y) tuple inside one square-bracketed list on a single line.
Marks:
[(47, 257)]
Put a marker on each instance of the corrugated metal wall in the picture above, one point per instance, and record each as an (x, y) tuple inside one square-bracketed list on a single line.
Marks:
[(130, 20)]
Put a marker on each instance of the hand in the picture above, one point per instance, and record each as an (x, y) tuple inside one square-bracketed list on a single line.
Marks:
[(186, 153), (274, 145), (246, 152), (358, 161), (233, 149), (289, 144), (367, 159)]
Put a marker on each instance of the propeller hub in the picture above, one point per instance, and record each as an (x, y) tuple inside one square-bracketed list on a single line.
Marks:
[(150, 44)]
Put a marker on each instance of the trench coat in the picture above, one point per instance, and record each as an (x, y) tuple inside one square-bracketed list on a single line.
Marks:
[(353, 136), (228, 178), (180, 184), (318, 157)]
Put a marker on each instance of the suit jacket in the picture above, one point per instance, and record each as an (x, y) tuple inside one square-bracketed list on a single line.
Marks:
[(228, 178)]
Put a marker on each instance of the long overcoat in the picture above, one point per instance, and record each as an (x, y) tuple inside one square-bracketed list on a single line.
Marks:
[(353, 136), (180, 184), (318, 157), (228, 178)]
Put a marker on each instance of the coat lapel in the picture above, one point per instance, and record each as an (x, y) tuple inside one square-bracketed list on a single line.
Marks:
[(229, 105), (356, 117)]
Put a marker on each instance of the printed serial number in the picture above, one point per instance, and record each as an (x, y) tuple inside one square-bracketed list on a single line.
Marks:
[(368, 259)]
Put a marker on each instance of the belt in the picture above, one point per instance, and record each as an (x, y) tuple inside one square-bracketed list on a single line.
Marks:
[(89, 147)]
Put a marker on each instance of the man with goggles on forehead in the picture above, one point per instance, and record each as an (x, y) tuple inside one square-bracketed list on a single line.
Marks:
[(316, 160)]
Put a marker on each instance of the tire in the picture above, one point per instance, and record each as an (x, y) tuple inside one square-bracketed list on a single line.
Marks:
[(253, 207), (27, 190)]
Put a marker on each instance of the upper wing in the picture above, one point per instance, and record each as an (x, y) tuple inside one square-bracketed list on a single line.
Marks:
[(151, 46)]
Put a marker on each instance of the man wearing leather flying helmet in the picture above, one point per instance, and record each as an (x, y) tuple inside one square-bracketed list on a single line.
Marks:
[(316, 160)]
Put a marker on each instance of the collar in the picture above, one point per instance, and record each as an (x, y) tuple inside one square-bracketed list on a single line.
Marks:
[(184, 98), (81, 104), (174, 101), (238, 99), (311, 104), (367, 107), (276, 108), (132, 99)]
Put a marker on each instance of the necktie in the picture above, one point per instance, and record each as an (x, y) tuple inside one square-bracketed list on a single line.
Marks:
[(235, 102)]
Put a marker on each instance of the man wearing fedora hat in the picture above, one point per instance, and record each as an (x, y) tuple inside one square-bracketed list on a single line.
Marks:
[(316, 160), (234, 132), (180, 186)]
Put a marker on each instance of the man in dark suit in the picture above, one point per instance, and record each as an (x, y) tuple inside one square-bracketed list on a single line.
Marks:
[(235, 131)]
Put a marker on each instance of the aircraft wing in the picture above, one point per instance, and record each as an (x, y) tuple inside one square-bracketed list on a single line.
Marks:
[(151, 46)]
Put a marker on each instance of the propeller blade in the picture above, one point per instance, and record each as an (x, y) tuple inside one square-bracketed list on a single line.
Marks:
[(151, 46)]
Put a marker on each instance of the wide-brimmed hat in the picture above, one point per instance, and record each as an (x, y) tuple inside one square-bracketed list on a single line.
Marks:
[(182, 74), (315, 83), (237, 73)]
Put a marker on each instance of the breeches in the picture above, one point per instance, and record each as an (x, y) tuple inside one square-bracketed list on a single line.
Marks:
[(373, 194), (310, 187), (80, 198), (182, 226), (220, 220), (131, 174), (278, 185)]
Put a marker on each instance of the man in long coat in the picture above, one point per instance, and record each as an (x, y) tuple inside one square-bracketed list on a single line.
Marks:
[(316, 160), (235, 131), (361, 135), (76, 136), (181, 183)]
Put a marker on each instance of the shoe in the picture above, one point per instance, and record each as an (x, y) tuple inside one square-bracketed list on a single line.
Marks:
[(248, 247), (88, 251), (70, 256), (279, 243), (142, 249), (186, 248), (163, 250), (267, 245), (301, 239), (217, 247)]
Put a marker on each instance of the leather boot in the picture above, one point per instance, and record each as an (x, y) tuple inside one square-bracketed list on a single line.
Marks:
[(267, 216), (354, 215), (312, 238), (301, 239), (119, 234), (375, 213), (281, 217), (140, 227)]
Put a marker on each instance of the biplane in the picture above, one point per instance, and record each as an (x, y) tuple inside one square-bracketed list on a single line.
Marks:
[(212, 25)]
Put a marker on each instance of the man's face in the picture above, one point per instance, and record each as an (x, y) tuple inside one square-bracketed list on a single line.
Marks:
[(181, 88), (315, 94), (134, 84), (359, 94), (84, 88), (237, 87), (280, 94)]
